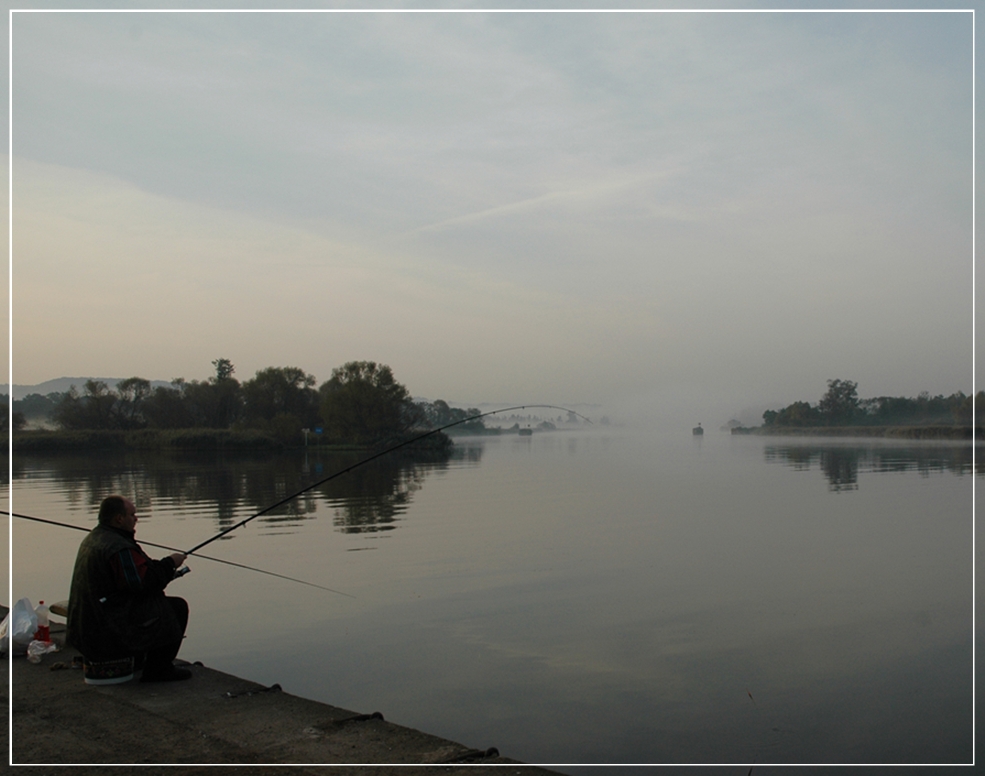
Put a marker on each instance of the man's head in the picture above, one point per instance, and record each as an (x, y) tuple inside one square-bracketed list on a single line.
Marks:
[(118, 512)]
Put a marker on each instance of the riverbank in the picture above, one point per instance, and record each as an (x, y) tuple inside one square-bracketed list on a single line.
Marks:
[(212, 718), (43, 440), (889, 432), (191, 439)]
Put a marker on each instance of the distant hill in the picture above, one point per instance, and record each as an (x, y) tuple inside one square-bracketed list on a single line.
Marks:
[(62, 384)]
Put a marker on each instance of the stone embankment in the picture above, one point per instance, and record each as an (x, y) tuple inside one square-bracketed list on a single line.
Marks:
[(212, 718)]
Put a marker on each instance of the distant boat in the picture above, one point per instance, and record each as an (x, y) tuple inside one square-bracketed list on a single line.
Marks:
[(526, 432), (697, 430)]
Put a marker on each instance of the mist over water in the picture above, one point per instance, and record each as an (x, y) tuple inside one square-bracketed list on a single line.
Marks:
[(586, 596)]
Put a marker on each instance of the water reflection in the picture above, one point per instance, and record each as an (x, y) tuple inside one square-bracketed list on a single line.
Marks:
[(224, 487), (563, 637), (842, 463), (376, 496)]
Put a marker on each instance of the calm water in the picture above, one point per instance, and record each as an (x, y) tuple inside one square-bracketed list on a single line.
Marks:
[(596, 597)]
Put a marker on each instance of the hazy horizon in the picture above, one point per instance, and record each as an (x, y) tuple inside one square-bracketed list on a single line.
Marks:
[(715, 416), (677, 216)]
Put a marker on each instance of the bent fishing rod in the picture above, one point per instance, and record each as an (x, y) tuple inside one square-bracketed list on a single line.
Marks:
[(175, 549), (373, 457)]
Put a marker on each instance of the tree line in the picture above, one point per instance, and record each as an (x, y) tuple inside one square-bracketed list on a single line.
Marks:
[(841, 406), (360, 403)]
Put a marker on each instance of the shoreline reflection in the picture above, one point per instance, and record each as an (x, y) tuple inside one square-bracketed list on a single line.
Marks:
[(225, 487), (841, 464)]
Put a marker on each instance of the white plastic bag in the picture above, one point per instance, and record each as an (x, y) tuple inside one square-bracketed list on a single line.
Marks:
[(38, 648), (23, 622)]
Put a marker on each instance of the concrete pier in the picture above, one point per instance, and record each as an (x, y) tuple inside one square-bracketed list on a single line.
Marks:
[(212, 718)]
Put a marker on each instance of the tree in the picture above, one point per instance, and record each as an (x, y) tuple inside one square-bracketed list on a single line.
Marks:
[(286, 394), (800, 413), (226, 392), (18, 419), (95, 409), (897, 410), (437, 414), (100, 404), (840, 404), (67, 413), (131, 395), (215, 403), (37, 407), (362, 402), (962, 410), (223, 369), (167, 407)]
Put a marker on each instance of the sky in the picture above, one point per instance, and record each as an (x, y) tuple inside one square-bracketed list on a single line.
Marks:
[(675, 216)]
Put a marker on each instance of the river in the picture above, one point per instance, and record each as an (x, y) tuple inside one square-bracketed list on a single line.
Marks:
[(593, 596)]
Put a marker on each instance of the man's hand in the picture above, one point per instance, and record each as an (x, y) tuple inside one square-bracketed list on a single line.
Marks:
[(178, 558)]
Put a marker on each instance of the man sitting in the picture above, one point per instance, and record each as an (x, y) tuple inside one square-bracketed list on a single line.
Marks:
[(117, 607)]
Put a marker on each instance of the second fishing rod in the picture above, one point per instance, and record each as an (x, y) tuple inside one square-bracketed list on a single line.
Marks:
[(59, 524), (373, 457)]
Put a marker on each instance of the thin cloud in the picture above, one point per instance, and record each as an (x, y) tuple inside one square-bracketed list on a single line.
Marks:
[(596, 194)]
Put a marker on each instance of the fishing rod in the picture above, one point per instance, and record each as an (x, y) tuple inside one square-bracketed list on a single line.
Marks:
[(373, 457), (175, 549)]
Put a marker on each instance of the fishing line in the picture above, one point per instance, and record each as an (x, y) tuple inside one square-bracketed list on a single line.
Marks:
[(175, 549), (373, 457)]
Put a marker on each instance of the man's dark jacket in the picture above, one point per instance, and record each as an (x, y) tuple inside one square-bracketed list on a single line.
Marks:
[(114, 611)]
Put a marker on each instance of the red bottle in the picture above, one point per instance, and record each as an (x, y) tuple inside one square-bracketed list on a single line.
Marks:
[(43, 633)]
